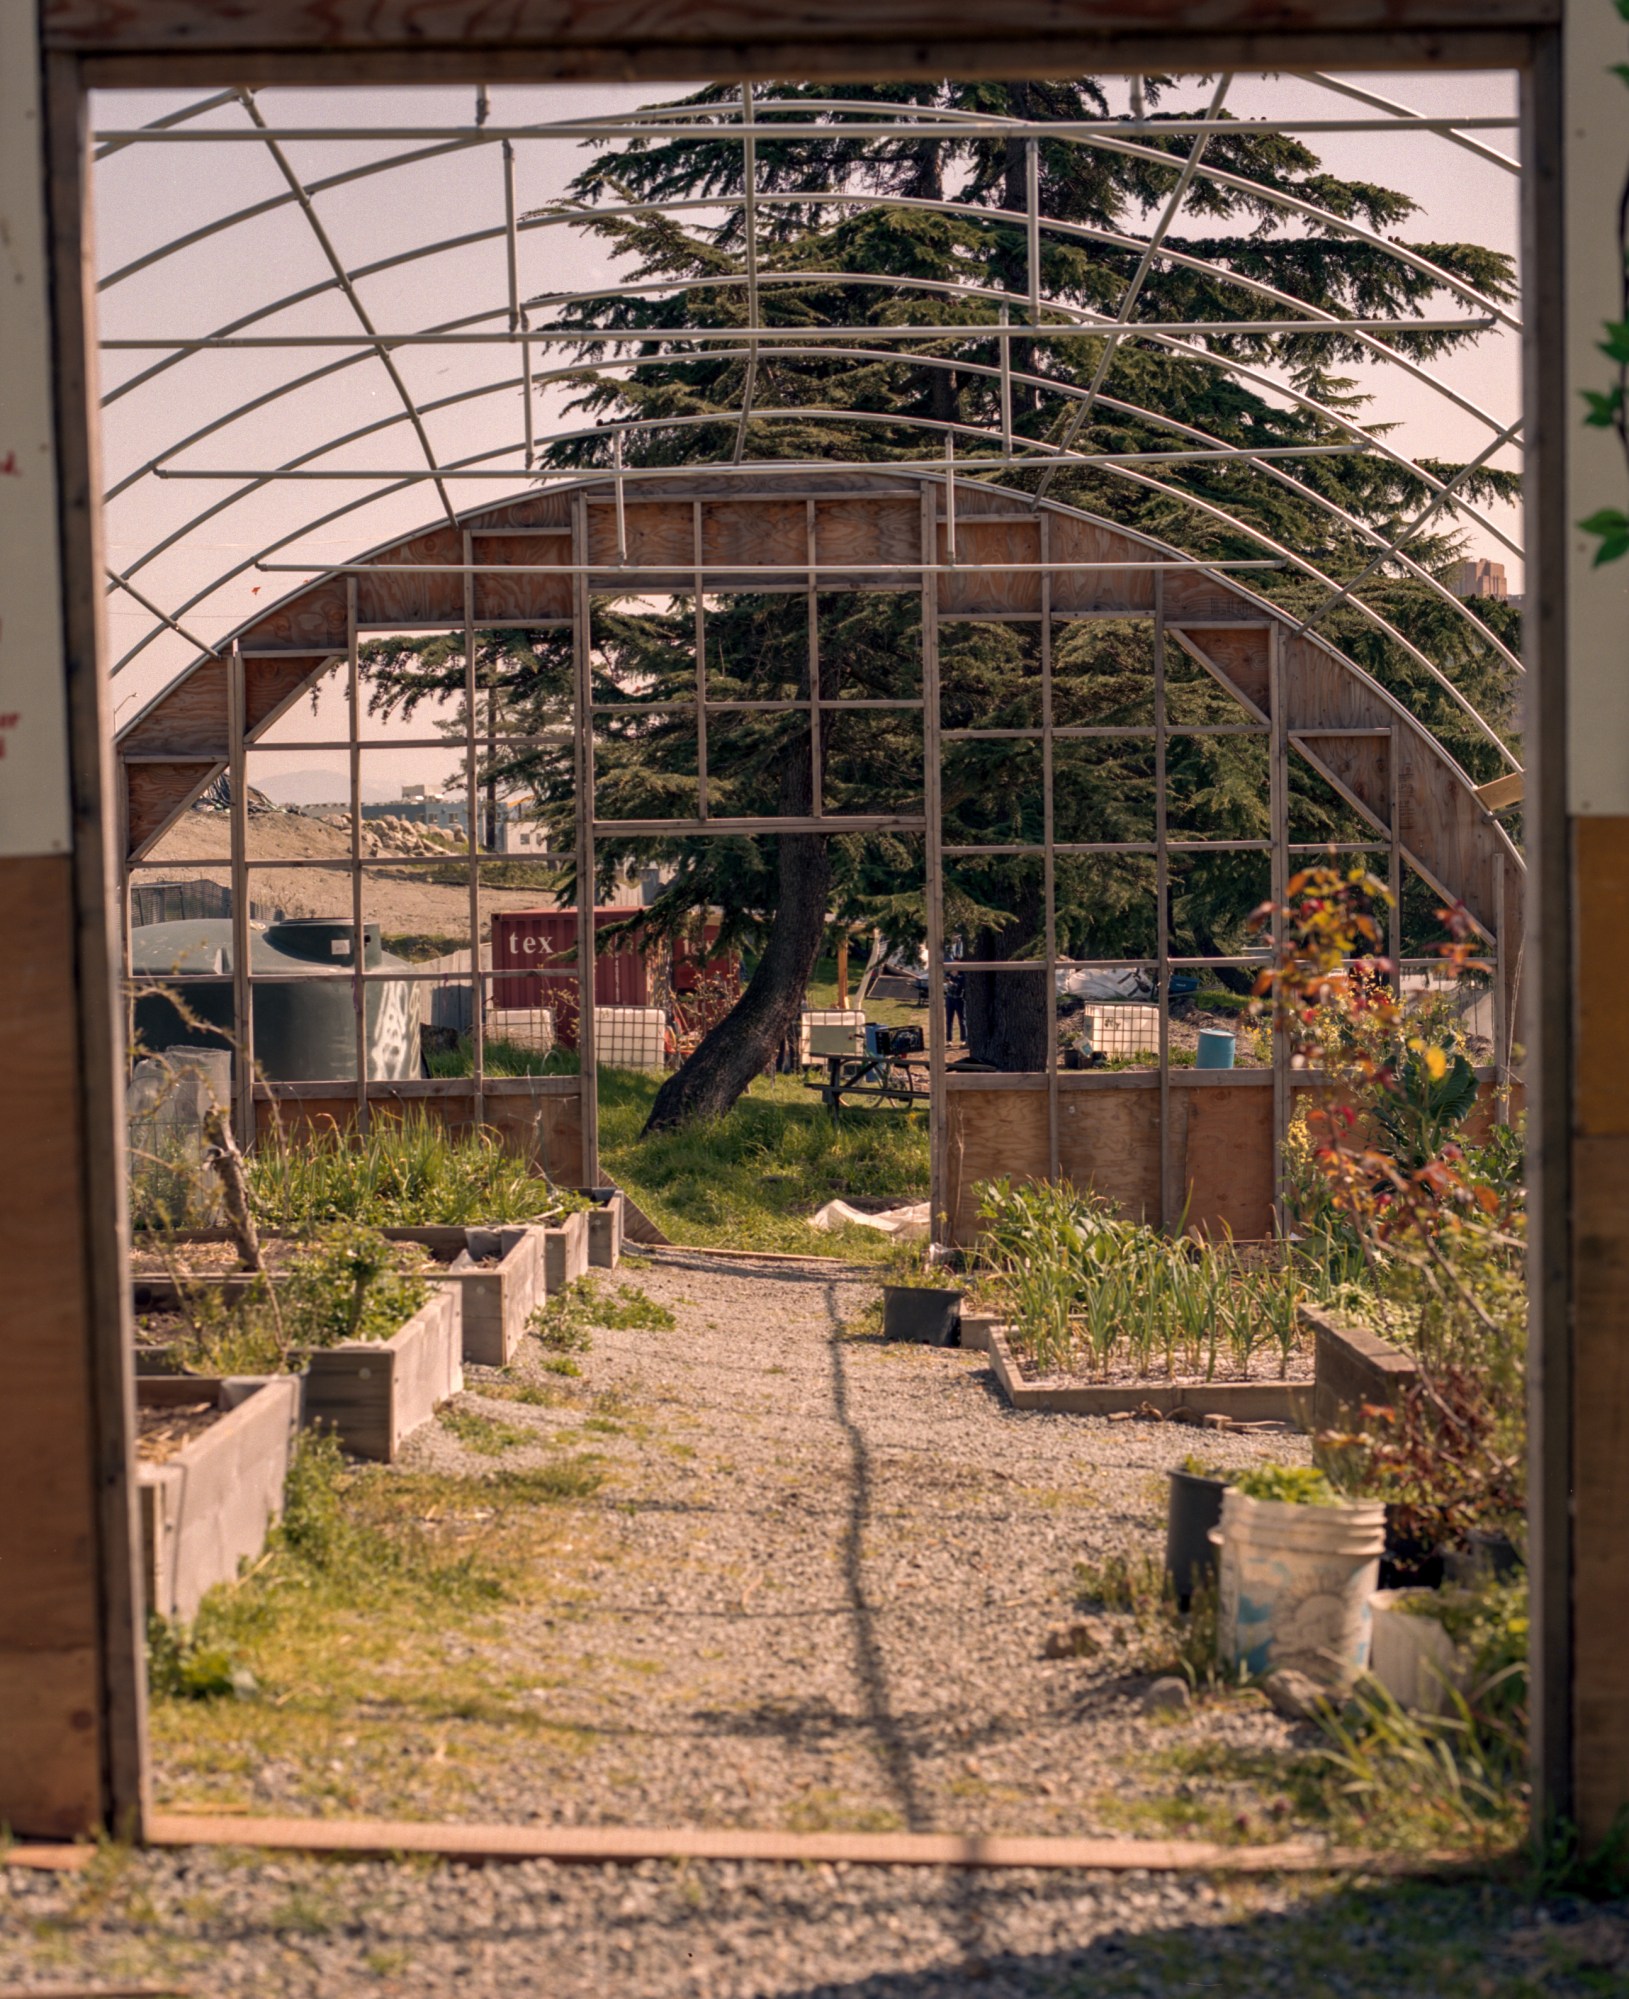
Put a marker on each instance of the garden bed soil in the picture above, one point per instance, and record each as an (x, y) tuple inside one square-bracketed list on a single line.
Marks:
[(213, 1456), (499, 1273), (1252, 1400)]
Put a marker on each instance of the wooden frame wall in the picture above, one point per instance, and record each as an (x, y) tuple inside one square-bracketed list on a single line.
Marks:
[(175, 43)]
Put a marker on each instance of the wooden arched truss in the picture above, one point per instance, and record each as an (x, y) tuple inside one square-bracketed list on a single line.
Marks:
[(1165, 1142)]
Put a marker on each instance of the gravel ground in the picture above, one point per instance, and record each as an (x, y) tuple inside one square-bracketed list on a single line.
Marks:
[(823, 1577), (820, 1580), (217, 1922)]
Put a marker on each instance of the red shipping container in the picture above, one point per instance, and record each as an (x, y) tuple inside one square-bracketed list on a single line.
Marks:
[(526, 942)]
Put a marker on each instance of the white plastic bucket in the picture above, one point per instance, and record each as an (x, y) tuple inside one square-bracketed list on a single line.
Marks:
[(1295, 1585), (1411, 1656)]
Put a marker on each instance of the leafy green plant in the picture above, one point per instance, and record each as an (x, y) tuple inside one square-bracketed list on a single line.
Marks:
[(1609, 408), (181, 1667), (351, 1284), (1286, 1485), (1168, 1639), (405, 1171)]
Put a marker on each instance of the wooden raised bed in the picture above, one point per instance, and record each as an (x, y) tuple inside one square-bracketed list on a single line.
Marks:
[(1243, 1401), (497, 1299), (207, 1510), (374, 1393), (1352, 1367), (605, 1225), (565, 1250), (370, 1393)]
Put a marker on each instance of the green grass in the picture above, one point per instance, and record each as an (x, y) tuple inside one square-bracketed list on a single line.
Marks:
[(359, 1634), (751, 1179)]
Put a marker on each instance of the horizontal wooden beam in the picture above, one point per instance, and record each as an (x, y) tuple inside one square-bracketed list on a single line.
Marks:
[(185, 42), (599, 1844)]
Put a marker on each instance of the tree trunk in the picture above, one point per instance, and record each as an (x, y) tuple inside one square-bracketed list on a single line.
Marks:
[(745, 1042), (1006, 1011)]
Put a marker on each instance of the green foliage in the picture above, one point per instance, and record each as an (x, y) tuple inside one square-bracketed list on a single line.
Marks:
[(752, 1178), (403, 1172), (351, 1284), (1286, 1485), (483, 1434), (181, 1668), (1168, 1640), (563, 1325), (869, 642), (1433, 1092), (1080, 1283), (1609, 408)]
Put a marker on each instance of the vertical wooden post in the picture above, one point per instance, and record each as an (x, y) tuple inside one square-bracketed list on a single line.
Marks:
[(1170, 1204), (72, 1684), (1394, 852), (243, 1001), (700, 627), (842, 973), (582, 714), (477, 966), (817, 788), (359, 990), (1049, 865), (1552, 428), (933, 867), (1278, 800)]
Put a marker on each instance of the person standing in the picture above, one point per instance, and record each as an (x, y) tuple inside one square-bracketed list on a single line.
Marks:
[(955, 1004)]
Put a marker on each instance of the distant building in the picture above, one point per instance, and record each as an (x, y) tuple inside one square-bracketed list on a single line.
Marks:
[(1479, 578)]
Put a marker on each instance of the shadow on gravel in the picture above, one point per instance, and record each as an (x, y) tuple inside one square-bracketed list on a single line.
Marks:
[(1412, 1940), (893, 1750)]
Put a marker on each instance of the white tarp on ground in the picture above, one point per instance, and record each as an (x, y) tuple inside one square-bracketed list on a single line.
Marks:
[(905, 1224)]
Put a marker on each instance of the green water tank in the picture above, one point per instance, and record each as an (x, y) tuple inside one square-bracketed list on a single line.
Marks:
[(304, 1015)]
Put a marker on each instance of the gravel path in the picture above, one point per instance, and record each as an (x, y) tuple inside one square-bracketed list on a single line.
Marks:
[(219, 1922), (815, 1590), (826, 1574)]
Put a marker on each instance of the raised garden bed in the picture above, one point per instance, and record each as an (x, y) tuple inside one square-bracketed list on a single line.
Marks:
[(565, 1249), (213, 1456), (371, 1393), (375, 1393), (605, 1225), (499, 1273), (1241, 1401), (1352, 1367)]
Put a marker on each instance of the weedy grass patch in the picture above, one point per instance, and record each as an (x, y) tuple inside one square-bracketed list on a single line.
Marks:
[(363, 1633)]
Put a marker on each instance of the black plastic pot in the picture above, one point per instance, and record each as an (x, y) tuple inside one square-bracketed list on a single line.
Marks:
[(1484, 1554), (1407, 1562), (911, 1313), (1196, 1507)]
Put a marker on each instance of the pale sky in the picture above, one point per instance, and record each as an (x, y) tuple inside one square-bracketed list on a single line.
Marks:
[(147, 195)]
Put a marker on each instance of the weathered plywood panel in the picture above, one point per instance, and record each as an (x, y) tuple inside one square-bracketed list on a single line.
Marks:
[(1098, 589), (1109, 1140), (1600, 1479), (1238, 659), (393, 595), (156, 793), (989, 582), (988, 1134), (316, 618), (868, 531), (190, 718), (526, 595), (50, 1737), (271, 685), (1601, 849), (755, 533), (1228, 1160)]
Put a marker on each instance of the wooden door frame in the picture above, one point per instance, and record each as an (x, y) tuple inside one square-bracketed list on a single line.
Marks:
[(200, 43)]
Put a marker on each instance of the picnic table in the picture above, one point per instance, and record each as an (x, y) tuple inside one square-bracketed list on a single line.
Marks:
[(876, 1081)]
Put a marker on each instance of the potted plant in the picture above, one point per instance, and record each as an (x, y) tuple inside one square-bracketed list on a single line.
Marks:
[(1299, 1566), (1195, 1512)]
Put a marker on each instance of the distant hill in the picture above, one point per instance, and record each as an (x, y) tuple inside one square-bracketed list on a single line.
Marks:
[(321, 787)]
